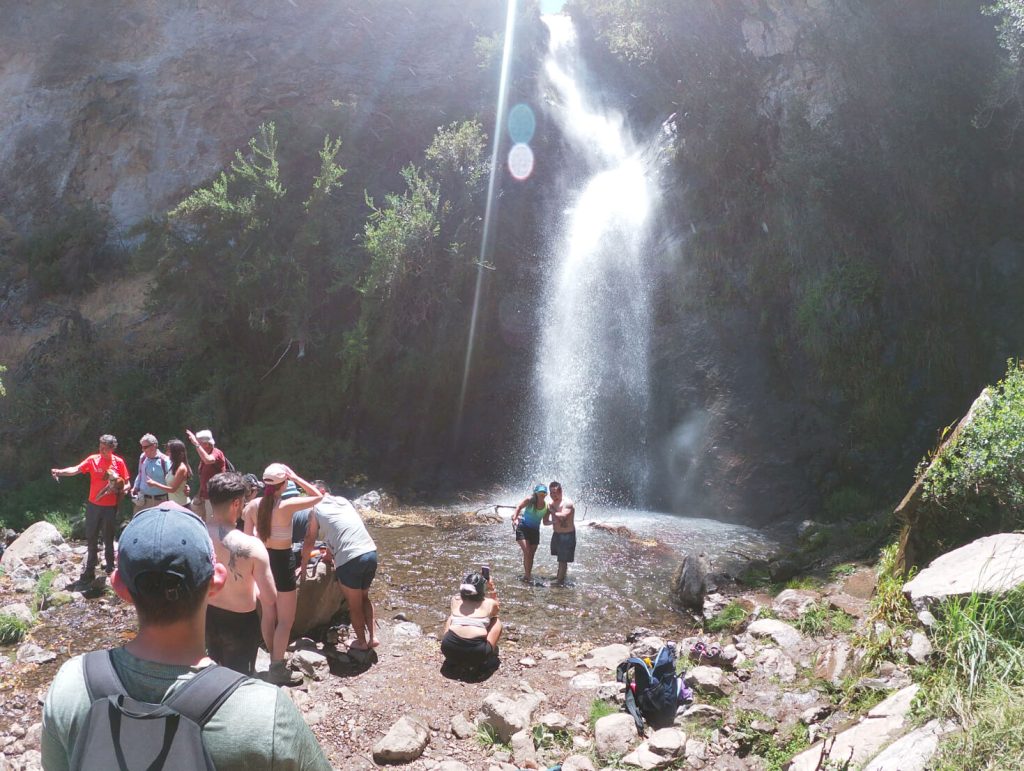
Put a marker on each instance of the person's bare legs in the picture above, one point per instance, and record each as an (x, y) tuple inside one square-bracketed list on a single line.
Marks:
[(529, 550), (368, 620), (268, 623), (357, 612), (286, 602), (563, 567)]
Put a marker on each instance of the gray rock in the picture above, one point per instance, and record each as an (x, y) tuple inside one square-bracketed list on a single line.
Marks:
[(462, 727), (606, 657), (920, 648), (577, 763), (852, 606), (861, 584), (555, 721), (696, 750), (408, 629), (318, 602), (782, 633), (775, 663), (708, 680), (30, 653), (790, 604), (371, 501), (524, 754), (667, 742), (404, 742), (610, 690), (814, 714), (586, 680), (834, 662), (311, 664), (648, 646), (452, 765), (614, 735), (33, 544), (690, 582), (509, 716), (705, 714), (990, 565), (20, 611), (912, 752), (528, 662)]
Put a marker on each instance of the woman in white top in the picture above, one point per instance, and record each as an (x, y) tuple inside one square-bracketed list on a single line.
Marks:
[(470, 635), (181, 472), (273, 526)]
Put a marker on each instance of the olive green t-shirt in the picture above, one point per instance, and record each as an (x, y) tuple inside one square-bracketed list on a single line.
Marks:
[(258, 727)]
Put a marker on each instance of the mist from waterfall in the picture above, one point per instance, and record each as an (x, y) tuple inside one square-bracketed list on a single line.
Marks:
[(591, 388)]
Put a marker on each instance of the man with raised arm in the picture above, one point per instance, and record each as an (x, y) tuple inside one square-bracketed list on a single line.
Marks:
[(561, 513), (211, 462), (233, 627), (105, 470)]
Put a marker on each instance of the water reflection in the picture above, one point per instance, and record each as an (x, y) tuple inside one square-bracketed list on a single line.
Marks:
[(616, 583)]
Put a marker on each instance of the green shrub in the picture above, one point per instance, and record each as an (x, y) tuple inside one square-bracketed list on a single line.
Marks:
[(729, 619), (12, 630), (822, 620), (43, 589)]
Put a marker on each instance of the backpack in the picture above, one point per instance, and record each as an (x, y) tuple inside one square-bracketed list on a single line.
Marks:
[(653, 692), (122, 733)]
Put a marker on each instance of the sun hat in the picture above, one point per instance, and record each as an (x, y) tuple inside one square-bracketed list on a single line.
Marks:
[(275, 474), (206, 435), (169, 542)]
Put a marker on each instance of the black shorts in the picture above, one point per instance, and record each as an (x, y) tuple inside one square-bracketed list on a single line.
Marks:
[(563, 546), (358, 572), (282, 566), (463, 652), (529, 534), (232, 639)]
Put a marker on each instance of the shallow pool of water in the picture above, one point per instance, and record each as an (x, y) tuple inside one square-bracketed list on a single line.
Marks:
[(615, 584)]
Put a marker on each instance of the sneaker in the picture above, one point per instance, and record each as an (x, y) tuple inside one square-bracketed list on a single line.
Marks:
[(83, 583), (279, 674)]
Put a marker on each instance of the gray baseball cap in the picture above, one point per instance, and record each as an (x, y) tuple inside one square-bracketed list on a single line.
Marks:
[(169, 544)]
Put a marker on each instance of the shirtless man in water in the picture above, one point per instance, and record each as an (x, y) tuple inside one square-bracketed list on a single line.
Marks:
[(561, 513), (232, 625)]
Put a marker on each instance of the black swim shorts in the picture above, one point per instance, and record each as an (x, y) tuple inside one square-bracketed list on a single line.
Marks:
[(358, 572), (563, 546), (232, 639), (529, 534), (466, 653), (282, 566)]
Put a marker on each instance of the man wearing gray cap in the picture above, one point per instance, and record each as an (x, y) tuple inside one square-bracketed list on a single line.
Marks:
[(167, 569)]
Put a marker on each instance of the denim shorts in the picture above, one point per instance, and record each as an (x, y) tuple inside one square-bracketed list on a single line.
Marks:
[(358, 572)]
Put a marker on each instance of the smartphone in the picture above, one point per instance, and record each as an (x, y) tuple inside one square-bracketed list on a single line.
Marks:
[(485, 571)]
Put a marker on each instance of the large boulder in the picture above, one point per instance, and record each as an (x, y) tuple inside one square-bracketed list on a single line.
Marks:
[(615, 734), (31, 546), (606, 657), (509, 716), (990, 565), (690, 582), (404, 742), (319, 602)]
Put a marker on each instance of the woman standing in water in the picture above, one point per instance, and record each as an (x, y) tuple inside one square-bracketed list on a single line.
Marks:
[(273, 525), (526, 521), (181, 472)]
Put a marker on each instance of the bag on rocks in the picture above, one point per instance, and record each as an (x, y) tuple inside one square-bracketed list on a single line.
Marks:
[(120, 732), (653, 691)]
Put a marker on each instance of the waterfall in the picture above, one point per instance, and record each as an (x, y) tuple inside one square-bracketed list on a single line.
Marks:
[(591, 388)]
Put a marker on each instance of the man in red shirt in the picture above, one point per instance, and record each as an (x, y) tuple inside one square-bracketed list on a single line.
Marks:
[(101, 507), (211, 463)]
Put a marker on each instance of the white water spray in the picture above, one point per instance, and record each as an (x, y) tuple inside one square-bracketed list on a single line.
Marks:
[(591, 389)]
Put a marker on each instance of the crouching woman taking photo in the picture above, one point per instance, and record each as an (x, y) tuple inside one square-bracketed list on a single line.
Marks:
[(470, 637)]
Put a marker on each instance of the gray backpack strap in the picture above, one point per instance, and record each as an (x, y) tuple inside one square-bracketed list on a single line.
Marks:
[(101, 679), (201, 697)]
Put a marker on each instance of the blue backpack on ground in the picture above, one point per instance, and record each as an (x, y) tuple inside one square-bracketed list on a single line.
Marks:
[(653, 692)]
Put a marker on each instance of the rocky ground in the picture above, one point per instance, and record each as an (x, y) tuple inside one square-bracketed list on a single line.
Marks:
[(789, 673)]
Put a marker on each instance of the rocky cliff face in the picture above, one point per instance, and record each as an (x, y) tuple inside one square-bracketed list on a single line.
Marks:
[(128, 104)]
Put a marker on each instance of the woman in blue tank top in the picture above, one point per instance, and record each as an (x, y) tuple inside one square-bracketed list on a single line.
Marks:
[(526, 521)]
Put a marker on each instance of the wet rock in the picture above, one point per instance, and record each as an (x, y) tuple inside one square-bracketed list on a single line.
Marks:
[(318, 602), (404, 742), (30, 653), (606, 657), (509, 716), (990, 565), (920, 648), (708, 680), (782, 633), (690, 582), (614, 735), (33, 544), (462, 727), (20, 611), (311, 664)]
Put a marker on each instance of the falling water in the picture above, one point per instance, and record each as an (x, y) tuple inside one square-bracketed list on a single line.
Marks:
[(591, 389)]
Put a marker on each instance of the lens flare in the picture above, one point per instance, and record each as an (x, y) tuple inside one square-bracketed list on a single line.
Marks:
[(520, 161), (521, 124)]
